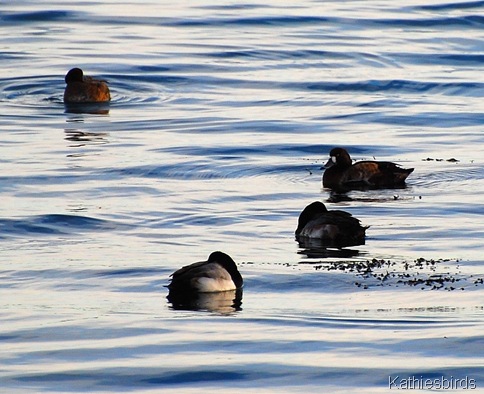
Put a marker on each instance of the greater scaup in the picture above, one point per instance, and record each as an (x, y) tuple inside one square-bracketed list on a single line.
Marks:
[(218, 273), (336, 228), (341, 173)]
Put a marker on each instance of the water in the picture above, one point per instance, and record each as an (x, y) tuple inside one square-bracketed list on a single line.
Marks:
[(222, 115)]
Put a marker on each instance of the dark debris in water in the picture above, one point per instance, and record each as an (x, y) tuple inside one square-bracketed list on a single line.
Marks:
[(420, 273), (451, 160)]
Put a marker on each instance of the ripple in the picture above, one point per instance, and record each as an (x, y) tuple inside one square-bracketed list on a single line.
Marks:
[(47, 91), (465, 5), (440, 177), (403, 86), (54, 224), (36, 16)]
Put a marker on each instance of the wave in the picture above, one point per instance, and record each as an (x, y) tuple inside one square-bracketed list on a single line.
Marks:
[(451, 6), (36, 16), (54, 224), (402, 86)]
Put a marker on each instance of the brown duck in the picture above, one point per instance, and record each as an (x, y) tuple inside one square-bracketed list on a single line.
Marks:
[(84, 89), (336, 228), (341, 173)]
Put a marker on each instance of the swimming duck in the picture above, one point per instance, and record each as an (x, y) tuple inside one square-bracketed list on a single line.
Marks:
[(340, 173), (336, 228), (83, 89), (218, 273)]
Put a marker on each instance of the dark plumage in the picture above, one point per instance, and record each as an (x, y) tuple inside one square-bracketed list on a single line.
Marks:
[(218, 273), (83, 89), (335, 228), (341, 174)]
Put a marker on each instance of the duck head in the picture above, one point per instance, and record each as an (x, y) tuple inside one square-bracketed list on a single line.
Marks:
[(74, 75), (338, 156), (309, 213)]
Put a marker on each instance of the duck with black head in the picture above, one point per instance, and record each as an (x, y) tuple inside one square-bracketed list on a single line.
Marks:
[(218, 273), (84, 89), (334, 228), (341, 174)]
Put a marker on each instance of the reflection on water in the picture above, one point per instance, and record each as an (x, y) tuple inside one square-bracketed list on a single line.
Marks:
[(318, 248), (83, 137), (342, 196), (222, 302), (87, 108)]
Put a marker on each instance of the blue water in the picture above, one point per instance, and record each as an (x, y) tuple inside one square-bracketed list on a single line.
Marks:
[(222, 115)]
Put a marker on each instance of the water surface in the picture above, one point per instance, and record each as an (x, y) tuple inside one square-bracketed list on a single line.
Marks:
[(221, 118)]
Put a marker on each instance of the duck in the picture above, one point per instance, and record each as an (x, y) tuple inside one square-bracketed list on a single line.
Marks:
[(218, 273), (342, 174), (335, 228), (84, 89)]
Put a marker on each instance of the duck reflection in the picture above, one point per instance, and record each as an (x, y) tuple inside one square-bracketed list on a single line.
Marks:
[(82, 138), (341, 193), (87, 108), (224, 302), (317, 248), (337, 197)]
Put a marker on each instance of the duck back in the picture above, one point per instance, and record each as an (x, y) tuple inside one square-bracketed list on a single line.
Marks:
[(336, 228), (218, 273)]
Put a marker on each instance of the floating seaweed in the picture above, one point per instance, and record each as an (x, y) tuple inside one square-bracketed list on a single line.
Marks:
[(432, 274)]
